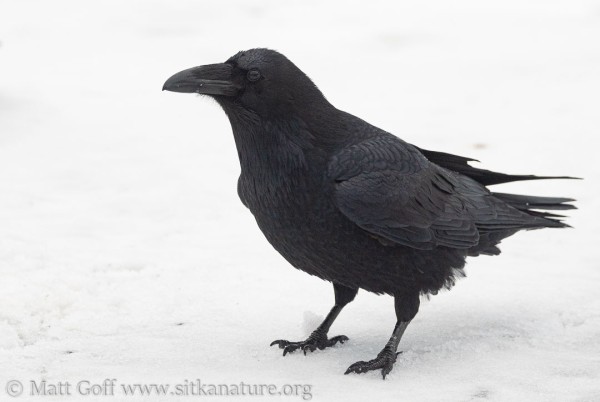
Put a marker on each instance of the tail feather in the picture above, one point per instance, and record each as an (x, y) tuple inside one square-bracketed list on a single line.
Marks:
[(460, 164), (527, 202), (537, 206)]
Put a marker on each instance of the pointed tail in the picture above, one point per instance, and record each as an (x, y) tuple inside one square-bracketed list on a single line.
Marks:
[(537, 206), (460, 164)]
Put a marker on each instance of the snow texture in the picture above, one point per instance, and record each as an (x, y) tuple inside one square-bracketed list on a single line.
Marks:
[(125, 252)]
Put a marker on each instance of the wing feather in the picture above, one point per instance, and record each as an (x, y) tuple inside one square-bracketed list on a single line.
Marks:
[(388, 188)]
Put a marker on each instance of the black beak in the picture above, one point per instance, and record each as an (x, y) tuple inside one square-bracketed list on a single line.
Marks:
[(212, 79)]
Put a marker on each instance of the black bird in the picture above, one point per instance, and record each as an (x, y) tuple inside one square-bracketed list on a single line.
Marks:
[(350, 203)]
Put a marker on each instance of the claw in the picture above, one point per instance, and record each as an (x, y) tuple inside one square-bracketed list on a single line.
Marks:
[(356, 367), (313, 343), (280, 342), (340, 338), (290, 348), (310, 347), (384, 361)]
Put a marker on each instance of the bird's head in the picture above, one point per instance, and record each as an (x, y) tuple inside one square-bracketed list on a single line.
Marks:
[(259, 81)]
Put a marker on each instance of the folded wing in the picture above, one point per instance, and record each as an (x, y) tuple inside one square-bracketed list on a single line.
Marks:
[(388, 188)]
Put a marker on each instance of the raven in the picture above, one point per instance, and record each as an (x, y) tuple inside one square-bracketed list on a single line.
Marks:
[(352, 204)]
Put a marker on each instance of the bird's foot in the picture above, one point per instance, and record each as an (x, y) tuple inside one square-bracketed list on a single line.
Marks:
[(316, 340), (385, 361)]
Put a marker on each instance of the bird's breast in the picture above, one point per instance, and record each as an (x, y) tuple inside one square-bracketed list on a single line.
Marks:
[(278, 200)]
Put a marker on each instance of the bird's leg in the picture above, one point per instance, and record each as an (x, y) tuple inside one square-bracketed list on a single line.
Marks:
[(318, 339), (407, 306)]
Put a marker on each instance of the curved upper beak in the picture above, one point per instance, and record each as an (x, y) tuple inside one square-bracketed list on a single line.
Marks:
[(212, 79)]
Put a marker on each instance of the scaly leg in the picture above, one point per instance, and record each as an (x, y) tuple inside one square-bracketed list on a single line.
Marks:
[(407, 306), (318, 339)]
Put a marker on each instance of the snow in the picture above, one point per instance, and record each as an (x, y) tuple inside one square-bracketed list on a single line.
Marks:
[(125, 252)]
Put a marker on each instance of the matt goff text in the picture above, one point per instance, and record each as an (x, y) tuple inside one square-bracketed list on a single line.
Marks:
[(111, 387)]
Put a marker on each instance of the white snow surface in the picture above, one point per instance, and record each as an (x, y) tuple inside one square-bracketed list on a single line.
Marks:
[(125, 252)]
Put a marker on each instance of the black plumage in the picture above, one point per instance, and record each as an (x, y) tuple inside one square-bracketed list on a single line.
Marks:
[(350, 203)]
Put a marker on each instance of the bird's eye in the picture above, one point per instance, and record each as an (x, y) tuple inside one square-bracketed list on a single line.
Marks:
[(253, 75)]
